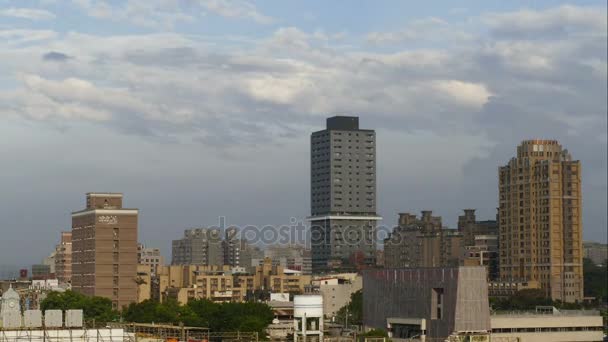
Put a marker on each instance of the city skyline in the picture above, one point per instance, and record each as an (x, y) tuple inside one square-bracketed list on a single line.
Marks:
[(206, 112)]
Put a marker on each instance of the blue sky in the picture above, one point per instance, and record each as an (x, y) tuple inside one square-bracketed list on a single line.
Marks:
[(197, 109)]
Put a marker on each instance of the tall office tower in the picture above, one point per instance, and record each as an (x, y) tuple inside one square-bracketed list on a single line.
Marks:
[(540, 219), (200, 246), (343, 194), (63, 258), (104, 249)]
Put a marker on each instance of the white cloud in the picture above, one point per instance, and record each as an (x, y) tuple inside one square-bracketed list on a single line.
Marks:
[(555, 20), (27, 13), (465, 93), (236, 9)]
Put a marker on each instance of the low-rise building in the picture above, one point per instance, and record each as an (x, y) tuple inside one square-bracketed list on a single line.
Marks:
[(431, 303), (337, 290), (226, 284), (504, 289), (555, 326)]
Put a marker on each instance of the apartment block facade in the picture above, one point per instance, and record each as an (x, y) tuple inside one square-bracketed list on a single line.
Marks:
[(63, 258), (422, 242), (150, 257), (343, 194), (104, 249), (540, 219), (200, 246)]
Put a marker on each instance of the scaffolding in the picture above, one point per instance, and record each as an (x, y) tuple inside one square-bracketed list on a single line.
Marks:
[(142, 332), (62, 335)]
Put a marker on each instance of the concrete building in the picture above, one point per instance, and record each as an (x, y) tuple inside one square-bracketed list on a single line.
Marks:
[(557, 326), (540, 224), (150, 257), (63, 258), (200, 246), (336, 291), (422, 242), (597, 252), (308, 318), (42, 271), (235, 249), (484, 252), (343, 195), (431, 303), (470, 227), (104, 249), (505, 289), (225, 283), (293, 257)]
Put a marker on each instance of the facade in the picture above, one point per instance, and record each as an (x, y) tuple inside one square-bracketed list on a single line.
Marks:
[(343, 194), (235, 249), (63, 258), (470, 227), (308, 318), (484, 252), (104, 249), (434, 303), (558, 326), (150, 257), (422, 242), (506, 289), (336, 292), (293, 257), (597, 252), (225, 283), (540, 219), (200, 246), (42, 271)]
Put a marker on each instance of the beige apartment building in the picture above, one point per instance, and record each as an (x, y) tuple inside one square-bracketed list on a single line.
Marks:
[(225, 283), (63, 259), (540, 219), (104, 249)]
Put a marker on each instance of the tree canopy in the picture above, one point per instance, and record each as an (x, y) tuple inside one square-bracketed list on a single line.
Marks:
[(595, 280), (354, 309), (94, 308), (246, 316)]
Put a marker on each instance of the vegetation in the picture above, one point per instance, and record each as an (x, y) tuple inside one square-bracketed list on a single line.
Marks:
[(203, 313), (354, 309), (94, 308), (596, 278), (376, 333)]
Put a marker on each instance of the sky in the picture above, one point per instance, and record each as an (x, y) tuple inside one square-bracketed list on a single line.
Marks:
[(199, 109)]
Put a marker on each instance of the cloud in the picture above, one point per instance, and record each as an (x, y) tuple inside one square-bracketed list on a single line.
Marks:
[(167, 14), (55, 56), (22, 36), (469, 94), (236, 9), (150, 14), (557, 21), (426, 30), (27, 13)]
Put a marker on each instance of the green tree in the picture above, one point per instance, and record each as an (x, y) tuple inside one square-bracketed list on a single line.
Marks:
[(595, 280), (94, 308), (354, 309)]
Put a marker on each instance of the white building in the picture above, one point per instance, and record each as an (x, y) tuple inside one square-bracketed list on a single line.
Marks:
[(557, 326), (308, 318)]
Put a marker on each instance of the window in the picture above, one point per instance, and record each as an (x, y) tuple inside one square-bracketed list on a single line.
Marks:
[(437, 303)]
